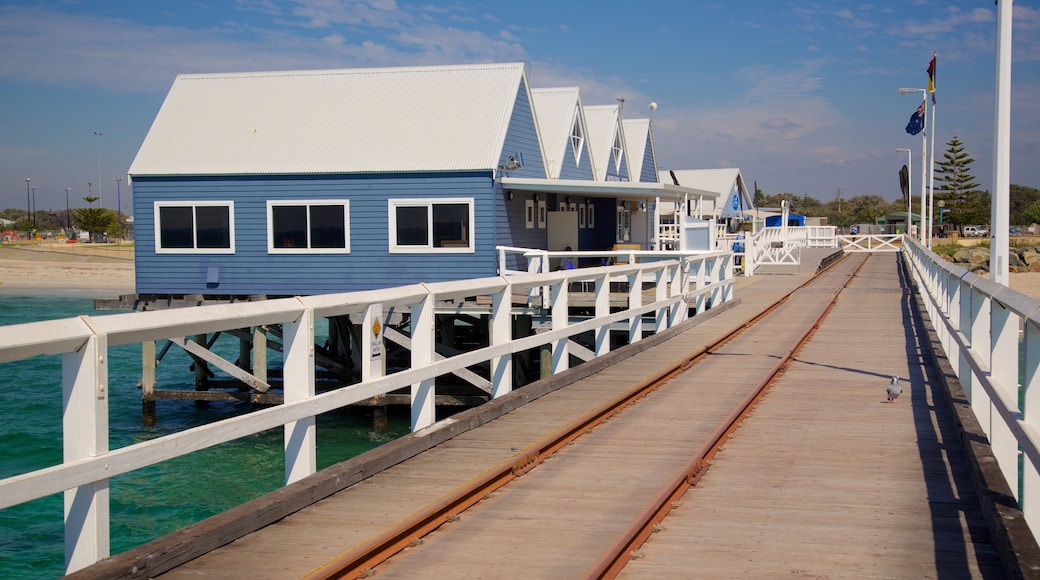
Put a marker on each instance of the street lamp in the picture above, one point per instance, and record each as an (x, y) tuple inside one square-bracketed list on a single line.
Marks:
[(34, 206), (28, 202), (926, 214), (68, 212), (100, 197), (119, 209), (910, 188)]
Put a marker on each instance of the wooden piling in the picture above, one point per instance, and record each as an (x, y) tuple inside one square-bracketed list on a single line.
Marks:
[(148, 417)]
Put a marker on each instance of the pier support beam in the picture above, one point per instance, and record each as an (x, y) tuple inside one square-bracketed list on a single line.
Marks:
[(423, 393), (148, 383), (298, 383)]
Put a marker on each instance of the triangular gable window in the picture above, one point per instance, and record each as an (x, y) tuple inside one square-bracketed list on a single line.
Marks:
[(577, 139), (618, 150)]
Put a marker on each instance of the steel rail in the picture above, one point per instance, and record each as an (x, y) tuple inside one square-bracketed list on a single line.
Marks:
[(626, 548), (360, 561)]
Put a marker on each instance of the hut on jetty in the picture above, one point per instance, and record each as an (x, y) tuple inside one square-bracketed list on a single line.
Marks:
[(267, 184)]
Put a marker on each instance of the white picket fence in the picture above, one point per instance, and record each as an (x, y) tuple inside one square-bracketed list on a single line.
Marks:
[(991, 336), (680, 285)]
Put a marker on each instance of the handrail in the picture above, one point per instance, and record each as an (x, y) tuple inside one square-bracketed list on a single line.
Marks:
[(683, 284), (991, 336)]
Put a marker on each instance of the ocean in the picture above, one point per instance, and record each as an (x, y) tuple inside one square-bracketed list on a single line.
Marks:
[(157, 500)]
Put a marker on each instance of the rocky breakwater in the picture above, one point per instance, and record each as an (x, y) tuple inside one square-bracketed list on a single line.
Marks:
[(976, 259)]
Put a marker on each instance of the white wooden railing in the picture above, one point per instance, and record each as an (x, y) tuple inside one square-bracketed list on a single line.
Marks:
[(871, 243), (681, 285), (991, 336)]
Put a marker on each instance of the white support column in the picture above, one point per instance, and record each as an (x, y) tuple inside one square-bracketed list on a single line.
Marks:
[(298, 380), (560, 319), (502, 333), (1004, 372), (1000, 200), (373, 365), (424, 413), (635, 300), (676, 276), (85, 426), (602, 309)]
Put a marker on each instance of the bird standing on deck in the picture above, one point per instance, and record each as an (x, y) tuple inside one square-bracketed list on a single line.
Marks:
[(894, 390)]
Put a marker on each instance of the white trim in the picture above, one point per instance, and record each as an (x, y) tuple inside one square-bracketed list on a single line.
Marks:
[(529, 217), (193, 204), (429, 202), (308, 203), (577, 138)]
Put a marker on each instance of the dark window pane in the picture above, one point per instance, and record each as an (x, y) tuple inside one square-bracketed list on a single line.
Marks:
[(175, 227), (289, 226), (412, 226), (451, 225), (327, 227), (213, 226)]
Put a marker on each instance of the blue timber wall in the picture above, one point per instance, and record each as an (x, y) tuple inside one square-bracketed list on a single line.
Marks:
[(251, 270)]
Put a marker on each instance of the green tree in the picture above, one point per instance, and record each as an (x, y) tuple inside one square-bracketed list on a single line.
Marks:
[(96, 220), (1022, 198), (958, 189), (1032, 213)]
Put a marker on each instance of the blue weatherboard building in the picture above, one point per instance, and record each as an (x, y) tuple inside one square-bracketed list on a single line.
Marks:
[(310, 182)]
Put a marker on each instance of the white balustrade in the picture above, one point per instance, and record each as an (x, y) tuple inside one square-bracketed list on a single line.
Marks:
[(682, 282)]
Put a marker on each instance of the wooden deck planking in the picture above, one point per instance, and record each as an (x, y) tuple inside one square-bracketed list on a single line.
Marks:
[(554, 520), (385, 498), (828, 480)]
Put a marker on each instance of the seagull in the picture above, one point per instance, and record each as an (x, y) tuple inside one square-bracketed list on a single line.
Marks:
[(894, 390)]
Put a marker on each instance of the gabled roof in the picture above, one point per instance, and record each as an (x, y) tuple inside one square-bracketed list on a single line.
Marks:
[(603, 126), (637, 135), (556, 109), (437, 118), (720, 181)]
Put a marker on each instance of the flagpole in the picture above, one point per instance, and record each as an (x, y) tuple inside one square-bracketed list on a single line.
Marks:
[(1000, 202), (931, 168), (926, 220)]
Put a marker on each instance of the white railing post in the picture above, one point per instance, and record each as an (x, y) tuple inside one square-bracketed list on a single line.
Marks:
[(660, 295), (85, 425), (300, 436), (675, 280), (953, 314), (635, 300), (1030, 500), (501, 333), (373, 363), (979, 342), (965, 327), (560, 319), (423, 344), (1003, 365), (602, 290)]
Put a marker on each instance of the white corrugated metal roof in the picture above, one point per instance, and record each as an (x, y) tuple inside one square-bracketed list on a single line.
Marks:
[(637, 134), (555, 110), (330, 121), (602, 123)]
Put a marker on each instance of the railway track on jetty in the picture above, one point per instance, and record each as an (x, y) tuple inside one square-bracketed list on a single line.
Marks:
[(581, 500)]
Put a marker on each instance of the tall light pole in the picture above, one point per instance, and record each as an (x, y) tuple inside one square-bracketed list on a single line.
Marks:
[(28, 203), (1000, 203), (926, 217), (33, 206), (100, 197), (119, 208), (909, 186), (68, 212)]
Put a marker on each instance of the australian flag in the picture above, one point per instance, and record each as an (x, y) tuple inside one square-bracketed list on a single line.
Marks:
[(916, 123)]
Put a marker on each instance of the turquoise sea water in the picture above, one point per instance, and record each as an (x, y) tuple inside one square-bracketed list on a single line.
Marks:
[(154, 501)]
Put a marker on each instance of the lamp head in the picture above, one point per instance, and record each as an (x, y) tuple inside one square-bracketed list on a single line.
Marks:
[(902, 150), (908, 91)]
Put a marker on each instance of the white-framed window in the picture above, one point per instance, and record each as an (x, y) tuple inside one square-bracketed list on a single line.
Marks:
[(319, 226), (577, 139), (590, 218), (425, 225), (529, 214), (542, 217), (581, 215), (194, 227)]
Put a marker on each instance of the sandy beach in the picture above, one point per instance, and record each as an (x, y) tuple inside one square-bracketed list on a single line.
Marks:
[(108, 271), (67, 270)]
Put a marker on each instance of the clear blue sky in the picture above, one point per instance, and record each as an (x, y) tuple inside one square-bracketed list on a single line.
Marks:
[(801, 96)]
